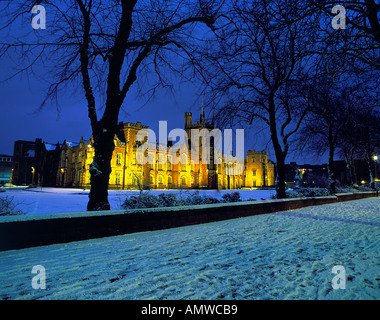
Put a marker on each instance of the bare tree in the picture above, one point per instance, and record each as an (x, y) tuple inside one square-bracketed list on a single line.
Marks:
[(335, 103), (105, 46), (254, 69), (360, 14), (360, 38), (367, 138)]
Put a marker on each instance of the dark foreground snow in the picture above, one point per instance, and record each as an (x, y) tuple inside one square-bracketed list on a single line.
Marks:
[(286, 255)]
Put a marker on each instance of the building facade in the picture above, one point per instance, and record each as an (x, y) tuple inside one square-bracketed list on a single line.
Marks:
[(34, 163), (5, 169), (129, 173)]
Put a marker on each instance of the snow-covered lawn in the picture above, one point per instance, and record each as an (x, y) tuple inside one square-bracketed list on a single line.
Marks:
[(60, 200), (284, 255)]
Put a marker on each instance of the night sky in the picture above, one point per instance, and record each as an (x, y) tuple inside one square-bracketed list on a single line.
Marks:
[(21, 97), (21, 119)]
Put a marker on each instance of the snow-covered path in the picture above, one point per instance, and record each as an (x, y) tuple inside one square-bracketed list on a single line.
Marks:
[(285, 255)]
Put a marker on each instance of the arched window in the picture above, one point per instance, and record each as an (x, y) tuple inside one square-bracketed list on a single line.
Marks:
[(160, 180), (183, 180), (183, 162)]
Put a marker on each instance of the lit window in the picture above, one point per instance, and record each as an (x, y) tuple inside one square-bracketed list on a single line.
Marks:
[(183, 162), (117, 177), (118, 158)]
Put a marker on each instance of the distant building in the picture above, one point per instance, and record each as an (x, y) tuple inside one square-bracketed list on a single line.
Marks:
[(35, 163), (309, 175), (317, 175), (5, 168), (127, 173)]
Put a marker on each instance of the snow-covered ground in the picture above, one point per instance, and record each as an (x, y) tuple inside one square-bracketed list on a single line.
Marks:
[(60, 200), (284, 255)]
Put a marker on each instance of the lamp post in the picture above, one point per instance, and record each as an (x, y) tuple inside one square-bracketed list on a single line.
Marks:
[(33, 171), (375, 160)]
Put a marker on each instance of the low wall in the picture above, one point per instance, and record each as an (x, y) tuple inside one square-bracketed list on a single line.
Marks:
[(35, 230)]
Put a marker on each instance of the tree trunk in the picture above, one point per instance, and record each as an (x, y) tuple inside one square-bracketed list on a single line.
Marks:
[(352, 169), (331, 173), (280, 183), (371, 171), (280, 154), (100, 170)]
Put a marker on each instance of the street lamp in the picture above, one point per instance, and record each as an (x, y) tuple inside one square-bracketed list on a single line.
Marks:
[(375, 159), (33, 171)]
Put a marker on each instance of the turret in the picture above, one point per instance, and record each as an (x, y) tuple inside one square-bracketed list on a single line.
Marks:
[(188, 120), (203, 116)]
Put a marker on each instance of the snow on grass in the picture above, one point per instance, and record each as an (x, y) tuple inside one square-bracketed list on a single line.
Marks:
[(284, 255), (62, 200)]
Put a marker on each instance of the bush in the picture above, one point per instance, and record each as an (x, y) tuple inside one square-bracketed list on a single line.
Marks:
[(231, 197), (8, 207), (313, 192), (143, 200), (147, 200), (167, 199), (307, 192)]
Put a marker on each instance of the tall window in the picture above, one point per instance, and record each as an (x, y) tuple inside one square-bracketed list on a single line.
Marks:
[(160, 161), (118, 158), (117, 177), (183, 162), (183, 180), (254, 173), (134, 158), (63, 159), (170, 164), (160, 180)]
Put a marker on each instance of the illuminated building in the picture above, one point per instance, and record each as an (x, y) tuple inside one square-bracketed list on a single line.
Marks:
[(128, 172)]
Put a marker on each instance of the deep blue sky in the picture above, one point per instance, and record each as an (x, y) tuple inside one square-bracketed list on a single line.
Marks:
[(21, 120)]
